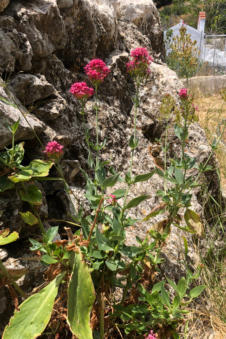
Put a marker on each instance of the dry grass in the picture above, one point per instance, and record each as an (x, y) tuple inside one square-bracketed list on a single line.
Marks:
[(212, 117)]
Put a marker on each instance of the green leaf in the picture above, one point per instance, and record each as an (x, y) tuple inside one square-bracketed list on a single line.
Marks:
[(179, 175), (119, 193), (157, 287), (13, 128), (143, 177), (81, 296), (172, 284), (136, 201), (154, 213), (47, 259), (193, 221), (133, 142), (111, 265), (7, 239), (181, 287), (51, 234), (29, 218), (176, 302), (102, 242), (31, 194), (110, 181), (36, 169), (165, 297), (34, 313), (196, 291), (5, 184)]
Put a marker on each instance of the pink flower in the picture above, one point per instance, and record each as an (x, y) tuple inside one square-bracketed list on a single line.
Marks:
[(141, 54), (183, 93), (54, 149), (81, 91), (139, 65), (112, 199), (96, 70), (151, 335)]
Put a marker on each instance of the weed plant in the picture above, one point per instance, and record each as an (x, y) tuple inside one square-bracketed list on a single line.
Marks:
[(85, 271)]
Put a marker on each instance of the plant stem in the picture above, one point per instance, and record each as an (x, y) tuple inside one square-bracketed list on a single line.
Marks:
[(95, 220), (102, 307), (96, 109)]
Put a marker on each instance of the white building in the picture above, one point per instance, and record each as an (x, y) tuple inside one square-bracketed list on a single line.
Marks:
[(207, 52)]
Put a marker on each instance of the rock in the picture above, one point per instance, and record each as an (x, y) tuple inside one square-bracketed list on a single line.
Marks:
[(30, 88), (3, 4), (16, 51), (10, 111), (144, 15), (92, 31), (65, 3), (42, 23)]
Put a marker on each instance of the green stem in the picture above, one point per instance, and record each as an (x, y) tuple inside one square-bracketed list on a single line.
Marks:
[(10, 279), (97, 124), (66, 186), (102, 307), (137, 104)]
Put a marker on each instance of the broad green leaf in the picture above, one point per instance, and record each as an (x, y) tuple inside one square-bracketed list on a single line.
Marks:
[(51, 234), (136, 201), (36, 169), (111, 265), (31, 194), (165, 297), (81, 296), (179, 175), (143, 177), (196, 291), (29, 218), (176, 302), (102, 242), (7, 239), (154, 212), (5, 184), (157, 287), (133, 142), (47, 259), (172, 284), (181, 287), (110, 181), (34, 313), (119, 193), (193, 220)]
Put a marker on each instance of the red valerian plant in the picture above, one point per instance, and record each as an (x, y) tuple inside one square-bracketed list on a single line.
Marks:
[(96, 70), (139, 65), (151, 335), (183, 93), (53, 149), (81, 90)]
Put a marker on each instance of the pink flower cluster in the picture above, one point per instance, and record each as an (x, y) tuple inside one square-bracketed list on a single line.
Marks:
[(151, 335), (141, 54), (53, 148), (139, 65), (183, 93), (96, 70), (112, 199), (81, 91)]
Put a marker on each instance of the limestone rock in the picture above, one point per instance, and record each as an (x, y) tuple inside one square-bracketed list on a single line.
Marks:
[(16, 51), (144, 15), (10, 111), (42, 23), (30, 88)]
